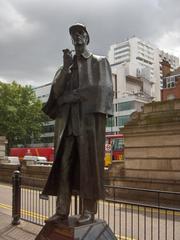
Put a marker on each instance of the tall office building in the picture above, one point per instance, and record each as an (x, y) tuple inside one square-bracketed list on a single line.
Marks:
[(47, 138), (140, 58), (130, 95)]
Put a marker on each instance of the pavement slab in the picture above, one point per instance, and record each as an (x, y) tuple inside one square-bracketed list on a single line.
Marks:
[(23, 231)]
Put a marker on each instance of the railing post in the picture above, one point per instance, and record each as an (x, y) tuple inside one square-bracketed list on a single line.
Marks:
[(80, 205), (75, 205), (16, 197)]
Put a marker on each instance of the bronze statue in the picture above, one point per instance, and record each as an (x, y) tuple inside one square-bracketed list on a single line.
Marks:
[(80, 101)]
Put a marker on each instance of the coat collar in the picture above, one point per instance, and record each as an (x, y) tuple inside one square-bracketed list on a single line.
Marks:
[(86, 54)]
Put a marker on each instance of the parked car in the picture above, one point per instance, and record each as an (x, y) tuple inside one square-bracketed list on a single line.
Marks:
[(14, 160), (37, 159)]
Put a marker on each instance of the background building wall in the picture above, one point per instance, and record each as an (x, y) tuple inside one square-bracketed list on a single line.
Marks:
[(171, 85), (139, 57), (47, 138)]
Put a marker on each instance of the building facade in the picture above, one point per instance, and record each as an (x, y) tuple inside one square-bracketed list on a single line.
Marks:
[(123, 108), (130, 95), (140, 58), (47, 138), (171, 86)]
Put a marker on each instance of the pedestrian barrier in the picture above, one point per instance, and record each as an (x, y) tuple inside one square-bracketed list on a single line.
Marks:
[(149, 216)]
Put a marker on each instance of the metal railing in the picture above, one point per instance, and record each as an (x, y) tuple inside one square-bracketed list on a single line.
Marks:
[(132, 213)]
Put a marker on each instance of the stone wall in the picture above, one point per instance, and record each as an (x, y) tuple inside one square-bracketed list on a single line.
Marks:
[(32, 174), (2, 148), (6, 169), (29, 170), (6, 172)]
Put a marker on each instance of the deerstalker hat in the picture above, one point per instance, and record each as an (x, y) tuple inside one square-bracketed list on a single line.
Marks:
[(79, 26)]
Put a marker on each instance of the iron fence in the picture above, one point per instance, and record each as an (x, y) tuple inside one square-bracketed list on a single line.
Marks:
[(132, 213)]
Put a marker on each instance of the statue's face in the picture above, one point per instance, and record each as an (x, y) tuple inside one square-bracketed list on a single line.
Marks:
[(79, 40)]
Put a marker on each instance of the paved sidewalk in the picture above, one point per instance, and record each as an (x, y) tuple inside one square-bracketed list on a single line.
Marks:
[(23, 231)]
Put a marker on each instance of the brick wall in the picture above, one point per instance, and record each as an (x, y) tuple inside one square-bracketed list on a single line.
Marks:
[(166, 92)]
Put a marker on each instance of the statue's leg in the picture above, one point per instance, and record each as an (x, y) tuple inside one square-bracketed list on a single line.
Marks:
[(64, 196), (90, 205), (89, 209)]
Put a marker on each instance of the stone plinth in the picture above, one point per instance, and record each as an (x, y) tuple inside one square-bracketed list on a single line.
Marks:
[(72, 231), (152, 145)]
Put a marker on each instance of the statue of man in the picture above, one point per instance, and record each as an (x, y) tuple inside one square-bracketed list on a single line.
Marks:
[(80, 101)]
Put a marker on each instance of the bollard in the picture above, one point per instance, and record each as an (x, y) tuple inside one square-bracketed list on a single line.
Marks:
[(16, 197)]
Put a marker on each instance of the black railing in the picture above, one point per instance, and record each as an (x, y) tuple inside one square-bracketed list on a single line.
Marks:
[(131, 213)]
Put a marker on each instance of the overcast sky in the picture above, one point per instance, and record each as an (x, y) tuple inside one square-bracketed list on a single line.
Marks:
[(34, 32)]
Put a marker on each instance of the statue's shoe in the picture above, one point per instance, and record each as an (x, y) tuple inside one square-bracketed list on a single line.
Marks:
[(57, 218), (86, 218)]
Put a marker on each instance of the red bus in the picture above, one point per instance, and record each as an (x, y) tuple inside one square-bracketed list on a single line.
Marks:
[(114, 148), (47, 152)]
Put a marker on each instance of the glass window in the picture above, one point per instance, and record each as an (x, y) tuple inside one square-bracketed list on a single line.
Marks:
[(125, 106), (118, 143), (170, 82), (48, 128), (47, 139), (122, 120), (122, 51), (126, 44), (122, 56), (110, 122)]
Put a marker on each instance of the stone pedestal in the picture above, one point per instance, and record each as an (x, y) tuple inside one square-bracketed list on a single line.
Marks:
[(72, 231), (152, 146)]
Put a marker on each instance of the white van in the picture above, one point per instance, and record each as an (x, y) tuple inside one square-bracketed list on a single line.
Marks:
[(14, 160), (37, 159)]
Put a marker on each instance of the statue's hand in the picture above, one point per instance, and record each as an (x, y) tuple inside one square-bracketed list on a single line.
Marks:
[(67, 58)]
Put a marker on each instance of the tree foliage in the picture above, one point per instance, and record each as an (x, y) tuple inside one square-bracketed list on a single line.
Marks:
[(21, 117)]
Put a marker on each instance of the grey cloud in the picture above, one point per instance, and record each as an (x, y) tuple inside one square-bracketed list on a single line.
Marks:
[(34, 56)]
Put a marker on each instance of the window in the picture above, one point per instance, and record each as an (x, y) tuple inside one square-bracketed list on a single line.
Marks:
[(121, 51), (122, 56), (144, 60), (125, 106), (115, 86), (170, 82), (118, 144), (47, 139), (110, 122), (48, 128), (123, 45), (122, 120)]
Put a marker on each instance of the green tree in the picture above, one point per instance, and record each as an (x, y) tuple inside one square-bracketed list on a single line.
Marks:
[(21, 118)]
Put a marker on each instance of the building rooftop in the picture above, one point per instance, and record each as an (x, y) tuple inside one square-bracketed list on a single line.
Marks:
[(175, 72), (44, 85)]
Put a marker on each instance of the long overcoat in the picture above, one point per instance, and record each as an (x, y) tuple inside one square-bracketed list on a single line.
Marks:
[(95, 89)]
